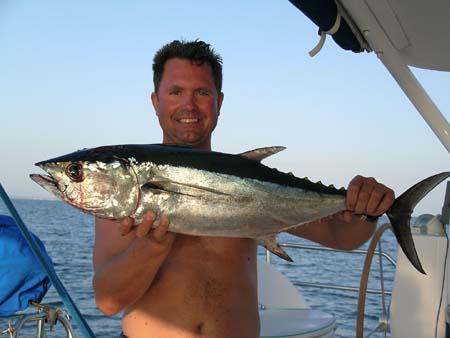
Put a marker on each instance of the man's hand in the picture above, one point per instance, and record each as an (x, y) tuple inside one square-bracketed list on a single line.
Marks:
[(365, 196), (150, 232), (127, 260)]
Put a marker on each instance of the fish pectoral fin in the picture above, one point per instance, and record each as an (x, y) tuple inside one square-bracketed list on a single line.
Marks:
[(164, 185), (159, 186), (261, 153), (154, 187), (270, 243), (193, 187)]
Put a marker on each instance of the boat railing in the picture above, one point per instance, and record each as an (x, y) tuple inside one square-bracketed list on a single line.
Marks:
[(44, 317), (291, 245), (362, 290)]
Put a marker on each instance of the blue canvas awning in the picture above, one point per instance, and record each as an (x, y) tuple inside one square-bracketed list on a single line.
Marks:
[(324, 14), (22, 279)]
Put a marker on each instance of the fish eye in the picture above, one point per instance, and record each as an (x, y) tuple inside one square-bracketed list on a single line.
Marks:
[(75, 172)]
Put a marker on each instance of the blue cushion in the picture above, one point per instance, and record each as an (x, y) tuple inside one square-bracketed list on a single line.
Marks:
[(22, 279)]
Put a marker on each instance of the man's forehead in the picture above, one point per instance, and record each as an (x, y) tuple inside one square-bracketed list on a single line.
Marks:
[(176, 71), (175, 63)]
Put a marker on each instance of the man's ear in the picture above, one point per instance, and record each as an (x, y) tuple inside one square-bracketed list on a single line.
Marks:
[(155, 102), (219, 102)]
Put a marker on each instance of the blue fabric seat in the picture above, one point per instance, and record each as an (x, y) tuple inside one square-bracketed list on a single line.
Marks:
[(22, 279)]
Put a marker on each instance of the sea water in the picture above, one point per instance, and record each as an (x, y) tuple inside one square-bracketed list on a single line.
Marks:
[(68, 235)]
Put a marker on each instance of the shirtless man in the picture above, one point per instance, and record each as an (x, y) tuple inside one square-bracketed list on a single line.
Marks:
[(172, 286)]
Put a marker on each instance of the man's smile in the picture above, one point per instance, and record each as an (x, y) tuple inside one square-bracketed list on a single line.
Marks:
[(188, 120)]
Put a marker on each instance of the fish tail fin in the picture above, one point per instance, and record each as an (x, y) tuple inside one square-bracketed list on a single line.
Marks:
[(270, 243), (400, 215)]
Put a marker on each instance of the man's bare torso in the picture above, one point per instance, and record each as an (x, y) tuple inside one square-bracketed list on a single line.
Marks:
[(206, 288)]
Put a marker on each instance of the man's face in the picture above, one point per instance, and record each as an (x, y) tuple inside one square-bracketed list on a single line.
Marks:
[(187, 103)]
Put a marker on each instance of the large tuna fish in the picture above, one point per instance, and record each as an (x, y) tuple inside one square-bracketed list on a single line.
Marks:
[(207, 193)]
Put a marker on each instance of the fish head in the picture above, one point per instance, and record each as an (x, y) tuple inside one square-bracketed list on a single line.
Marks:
[(106, 189)]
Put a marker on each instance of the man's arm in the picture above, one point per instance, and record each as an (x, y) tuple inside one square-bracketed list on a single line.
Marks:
[(126, 260), (347, 230)]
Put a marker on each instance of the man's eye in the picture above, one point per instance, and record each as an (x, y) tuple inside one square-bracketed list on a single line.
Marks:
[(175, 92), (203, 93)]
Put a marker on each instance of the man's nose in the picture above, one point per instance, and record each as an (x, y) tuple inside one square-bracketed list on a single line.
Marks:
[(189, 101)]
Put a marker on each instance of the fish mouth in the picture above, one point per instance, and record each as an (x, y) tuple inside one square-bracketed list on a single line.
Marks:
[(48, 183), (44, 179)]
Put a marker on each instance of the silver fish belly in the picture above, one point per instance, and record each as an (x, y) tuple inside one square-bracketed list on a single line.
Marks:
[(205, 203)]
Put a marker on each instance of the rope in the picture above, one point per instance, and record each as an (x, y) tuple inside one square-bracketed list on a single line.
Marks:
[(365, 279), (323, 35)]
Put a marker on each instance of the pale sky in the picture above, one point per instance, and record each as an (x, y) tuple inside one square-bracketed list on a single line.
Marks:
[(78, 74)]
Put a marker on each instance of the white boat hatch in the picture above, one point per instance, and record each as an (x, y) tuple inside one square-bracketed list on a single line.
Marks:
[(296, 323), (283, 310)]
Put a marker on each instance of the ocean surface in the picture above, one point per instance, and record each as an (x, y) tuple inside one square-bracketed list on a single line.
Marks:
[(68, 235)]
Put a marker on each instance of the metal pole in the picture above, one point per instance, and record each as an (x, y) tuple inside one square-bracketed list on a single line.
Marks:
[(418, 96)]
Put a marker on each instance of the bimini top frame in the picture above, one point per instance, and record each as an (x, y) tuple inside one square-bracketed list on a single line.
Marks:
[(402, 33), (408, 32)]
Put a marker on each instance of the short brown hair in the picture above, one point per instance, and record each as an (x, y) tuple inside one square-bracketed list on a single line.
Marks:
[(198, 51)]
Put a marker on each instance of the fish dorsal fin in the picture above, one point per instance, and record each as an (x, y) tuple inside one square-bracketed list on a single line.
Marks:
[(261, 153)]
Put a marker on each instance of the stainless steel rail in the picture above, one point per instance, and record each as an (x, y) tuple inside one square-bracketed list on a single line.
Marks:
[(45, 316), (334, 286), (338, 287), (322, 248)]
